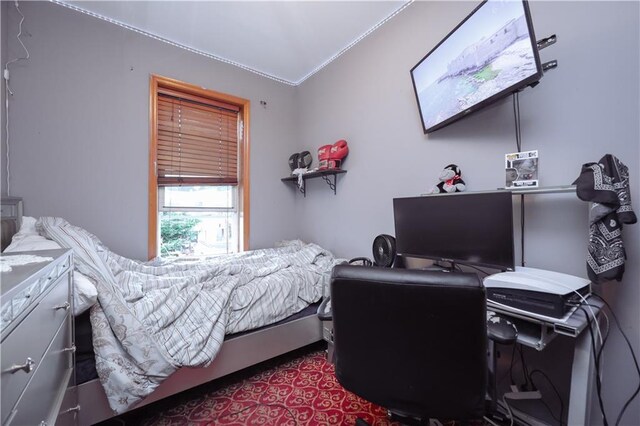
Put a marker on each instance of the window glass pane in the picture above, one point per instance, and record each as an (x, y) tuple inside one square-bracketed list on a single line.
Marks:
[(198, 220), (199, 196), (198, 233)]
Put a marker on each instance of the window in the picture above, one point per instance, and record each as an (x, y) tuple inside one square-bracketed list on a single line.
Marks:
[(198, 170)]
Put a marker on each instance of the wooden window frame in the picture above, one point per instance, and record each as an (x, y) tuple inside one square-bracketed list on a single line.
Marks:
[(156, 82)]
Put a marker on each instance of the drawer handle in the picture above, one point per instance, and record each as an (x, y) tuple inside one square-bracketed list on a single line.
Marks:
[(64, 306), (27, 367)]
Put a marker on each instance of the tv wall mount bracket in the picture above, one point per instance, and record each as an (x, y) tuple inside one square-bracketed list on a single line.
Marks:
[(544, 43), (547, 41)]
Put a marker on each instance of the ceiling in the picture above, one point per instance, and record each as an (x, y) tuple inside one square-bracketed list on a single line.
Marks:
[(287, 41)]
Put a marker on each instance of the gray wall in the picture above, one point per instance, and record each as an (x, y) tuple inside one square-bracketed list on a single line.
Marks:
[(587, 107), (80, 126)]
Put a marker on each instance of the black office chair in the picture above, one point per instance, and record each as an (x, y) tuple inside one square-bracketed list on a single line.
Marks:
[(414, 342)]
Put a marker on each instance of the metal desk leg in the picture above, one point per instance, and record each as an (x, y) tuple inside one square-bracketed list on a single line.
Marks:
[(582, 373)]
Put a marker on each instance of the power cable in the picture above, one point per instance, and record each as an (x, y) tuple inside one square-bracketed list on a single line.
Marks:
[(536, 371), (9, 92), (518, 128), (605, 422), (509, 412), (516, 114), (513, 357), (633, 355), (525, 370)]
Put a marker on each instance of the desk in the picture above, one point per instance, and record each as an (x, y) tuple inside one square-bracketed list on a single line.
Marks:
[(536, 332)]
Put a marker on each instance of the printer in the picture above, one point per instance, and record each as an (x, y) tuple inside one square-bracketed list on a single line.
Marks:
[(537, 291)]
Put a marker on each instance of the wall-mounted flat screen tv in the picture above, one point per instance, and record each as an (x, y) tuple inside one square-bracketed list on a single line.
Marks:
[(489, 55), (466, 228)]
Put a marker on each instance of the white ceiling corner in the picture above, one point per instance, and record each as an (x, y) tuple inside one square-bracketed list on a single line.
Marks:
[(287, 41)]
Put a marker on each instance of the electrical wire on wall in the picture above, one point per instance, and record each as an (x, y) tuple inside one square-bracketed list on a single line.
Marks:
[(8, 92), (516, 115)]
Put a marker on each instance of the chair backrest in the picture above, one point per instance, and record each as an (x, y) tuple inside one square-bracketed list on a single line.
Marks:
[(412, 341)]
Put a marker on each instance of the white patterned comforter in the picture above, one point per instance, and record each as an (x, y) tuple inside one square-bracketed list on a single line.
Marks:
[(151, 320)]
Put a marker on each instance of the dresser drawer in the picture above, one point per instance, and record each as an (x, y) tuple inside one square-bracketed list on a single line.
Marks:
[(30, 339), (15, 305), (44, 393)]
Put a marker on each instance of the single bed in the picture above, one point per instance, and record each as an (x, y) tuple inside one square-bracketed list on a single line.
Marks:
[(239, 350)]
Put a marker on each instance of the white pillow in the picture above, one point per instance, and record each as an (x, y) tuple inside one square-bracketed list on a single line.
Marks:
[(27, 239), (28, 226), (28, 242), (27, 230), (85, 294)]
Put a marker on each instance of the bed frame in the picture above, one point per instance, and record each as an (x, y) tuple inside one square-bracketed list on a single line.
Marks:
[(87, 404), (236, 353)]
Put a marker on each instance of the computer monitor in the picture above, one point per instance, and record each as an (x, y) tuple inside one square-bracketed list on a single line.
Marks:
[(465, 228)]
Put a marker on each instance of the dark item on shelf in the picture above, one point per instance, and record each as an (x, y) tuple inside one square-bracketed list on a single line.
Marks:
[(293, 161), (450, 181), (300, 160), (606, 183), (304, 160)]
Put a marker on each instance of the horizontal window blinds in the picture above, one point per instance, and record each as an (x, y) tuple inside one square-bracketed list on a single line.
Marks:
[(197, 140)]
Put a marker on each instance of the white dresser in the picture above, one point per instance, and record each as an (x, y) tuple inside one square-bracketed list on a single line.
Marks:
[(37, 350)]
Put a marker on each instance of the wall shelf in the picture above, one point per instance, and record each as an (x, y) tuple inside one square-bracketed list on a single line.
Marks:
[(326, 175), (567, 189), (544, 190)]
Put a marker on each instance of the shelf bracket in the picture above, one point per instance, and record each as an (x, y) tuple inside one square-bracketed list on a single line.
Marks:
[(332, 185)]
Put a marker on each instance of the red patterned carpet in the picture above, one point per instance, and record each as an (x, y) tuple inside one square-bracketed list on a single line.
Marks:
[(296, 392)]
